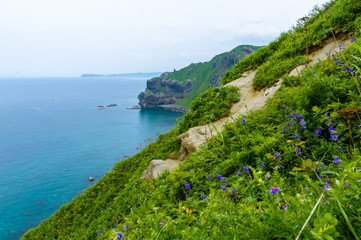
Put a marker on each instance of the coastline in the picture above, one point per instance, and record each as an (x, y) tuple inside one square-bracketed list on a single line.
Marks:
[(170, 107)]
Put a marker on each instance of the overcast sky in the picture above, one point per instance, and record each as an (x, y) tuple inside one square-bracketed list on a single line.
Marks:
[(71, 37)]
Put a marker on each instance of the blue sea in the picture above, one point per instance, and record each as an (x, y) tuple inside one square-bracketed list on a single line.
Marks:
[(53, 136)]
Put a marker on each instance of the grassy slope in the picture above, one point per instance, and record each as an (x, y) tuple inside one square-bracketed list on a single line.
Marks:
[(283, 54), (202, 73), (225, 189)]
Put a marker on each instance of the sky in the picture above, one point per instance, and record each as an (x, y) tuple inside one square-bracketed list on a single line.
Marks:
[(66, 38)]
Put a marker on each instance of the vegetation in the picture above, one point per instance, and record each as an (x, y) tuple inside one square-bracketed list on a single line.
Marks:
[(273, 61), (204, 75), (289, 171), (209, 107)]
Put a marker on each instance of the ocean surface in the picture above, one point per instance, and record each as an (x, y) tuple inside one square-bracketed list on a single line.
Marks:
[(53, 137)]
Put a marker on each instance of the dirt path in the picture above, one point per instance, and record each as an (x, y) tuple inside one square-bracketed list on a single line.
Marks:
[(250, 99)]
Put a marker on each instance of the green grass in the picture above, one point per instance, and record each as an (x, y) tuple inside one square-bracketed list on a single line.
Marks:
[(248, 181), (278, 58)]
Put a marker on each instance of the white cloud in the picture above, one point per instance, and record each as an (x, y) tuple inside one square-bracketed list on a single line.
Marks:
[(71, 37)]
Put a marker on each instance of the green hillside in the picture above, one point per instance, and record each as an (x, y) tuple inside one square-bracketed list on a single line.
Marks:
[(184, 85), (289, 171)]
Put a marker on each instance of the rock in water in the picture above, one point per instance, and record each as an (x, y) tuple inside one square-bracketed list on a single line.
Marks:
[(91, 179)]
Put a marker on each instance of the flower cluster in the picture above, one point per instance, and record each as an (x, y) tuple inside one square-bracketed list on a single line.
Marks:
[(234, 192), (333, 133), (336, 160), (204, 197), (318, 132), (187, 186), (274, 190), (246, 169)]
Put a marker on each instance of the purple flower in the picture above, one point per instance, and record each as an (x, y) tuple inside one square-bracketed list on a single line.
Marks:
[(234, 192), (219, 177), (277, 155), (120, 235), (284, 207), (244, 121), (161, 222), (274, 190), (204, 197), (246, 169), (336, 160), (238, 173), (223, 188), (303, 124), (209, 176), (261, 163), (346, 183), (318, 132)]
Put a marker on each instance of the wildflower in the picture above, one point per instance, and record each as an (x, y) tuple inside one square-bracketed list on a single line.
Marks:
[(244, 121), (209, 176), (327, 202), (340, 148), (261, 163), (274, 190), (219, 201), (246, 169), (191, 201), (284, 207), (318, 132), (161, 222), (223, 188), (336, 160), (234, 192), (219, 177), (277, 155), (238, 173), (279, 167), (204, 197), (298, 150), (346, 183), (303, 124), (120, 235), (295, 135), (268, 176), (327, 118), (187, 186)]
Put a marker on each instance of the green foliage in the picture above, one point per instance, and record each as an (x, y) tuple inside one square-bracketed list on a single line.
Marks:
[(282, 55), (209, 107), (259, 178)]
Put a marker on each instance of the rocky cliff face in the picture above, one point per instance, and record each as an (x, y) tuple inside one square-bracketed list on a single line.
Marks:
[(162, 91), (189, 82)]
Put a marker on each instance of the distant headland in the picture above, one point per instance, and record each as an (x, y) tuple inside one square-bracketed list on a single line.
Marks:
[(124, 75)]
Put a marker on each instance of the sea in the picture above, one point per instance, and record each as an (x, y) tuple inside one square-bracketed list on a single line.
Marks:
[(53, 136)]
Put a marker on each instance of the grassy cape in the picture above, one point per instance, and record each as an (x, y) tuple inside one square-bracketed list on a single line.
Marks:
[(291, 170)]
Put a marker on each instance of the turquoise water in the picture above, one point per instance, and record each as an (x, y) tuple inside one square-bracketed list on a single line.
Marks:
[(53, 137)]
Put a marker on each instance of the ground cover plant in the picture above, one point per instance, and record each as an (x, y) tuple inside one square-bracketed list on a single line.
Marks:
[(289, 171), (282, 55)]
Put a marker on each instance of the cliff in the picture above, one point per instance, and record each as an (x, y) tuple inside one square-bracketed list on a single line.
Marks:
[(182, 86)]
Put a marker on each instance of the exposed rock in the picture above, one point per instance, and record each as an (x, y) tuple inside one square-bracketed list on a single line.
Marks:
[(158, 166), (91, 179), (170, 87), (250, 99), (162, 91), (112, 105)]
